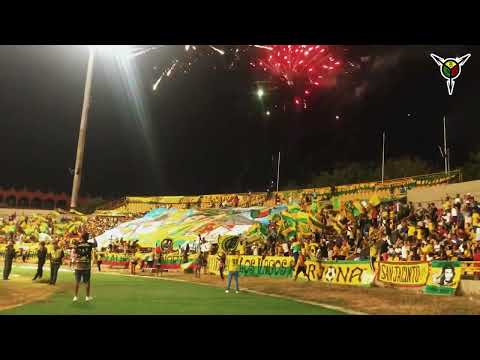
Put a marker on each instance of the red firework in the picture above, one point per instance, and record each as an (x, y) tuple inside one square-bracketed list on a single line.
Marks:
[(301, 67)]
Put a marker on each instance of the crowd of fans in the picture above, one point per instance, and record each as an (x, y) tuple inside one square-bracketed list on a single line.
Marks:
[(27, 244), (395, 231)]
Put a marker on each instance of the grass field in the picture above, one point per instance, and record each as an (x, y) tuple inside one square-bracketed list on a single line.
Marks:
[(120, 295)]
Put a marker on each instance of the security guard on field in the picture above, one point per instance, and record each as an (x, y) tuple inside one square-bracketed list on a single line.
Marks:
[(56, 259), (9, 256)]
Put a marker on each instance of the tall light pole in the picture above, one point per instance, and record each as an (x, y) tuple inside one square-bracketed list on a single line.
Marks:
[(445, 145), (278, 170), (383, 158), (77, 177)]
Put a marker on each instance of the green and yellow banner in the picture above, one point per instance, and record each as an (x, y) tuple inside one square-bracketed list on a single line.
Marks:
[(444, 278)]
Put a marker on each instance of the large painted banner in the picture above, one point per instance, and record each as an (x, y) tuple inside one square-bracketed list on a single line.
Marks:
[(357, 273), (221, 226), (444, 278), (403, 274)]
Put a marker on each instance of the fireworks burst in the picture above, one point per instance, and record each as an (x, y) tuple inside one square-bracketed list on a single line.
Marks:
[(193, 53), (303, 68), (292, 72)]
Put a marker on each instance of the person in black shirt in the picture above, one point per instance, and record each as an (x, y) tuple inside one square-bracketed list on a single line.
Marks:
[(42, 257), (324, 249), (9, 256), (83, 262), (186, 251)]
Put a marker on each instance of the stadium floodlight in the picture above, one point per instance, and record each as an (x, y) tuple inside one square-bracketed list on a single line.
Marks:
[(260, 93), (117, 50)]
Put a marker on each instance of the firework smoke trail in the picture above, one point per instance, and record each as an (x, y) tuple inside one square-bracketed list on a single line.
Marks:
[(221, 52), (262, 47), (142, 52), (186, 61), (166, 73)]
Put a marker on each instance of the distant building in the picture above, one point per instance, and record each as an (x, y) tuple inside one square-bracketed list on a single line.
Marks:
[(26, 199)]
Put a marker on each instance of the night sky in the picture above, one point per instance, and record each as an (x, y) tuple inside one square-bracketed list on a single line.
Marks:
[(206, 132)]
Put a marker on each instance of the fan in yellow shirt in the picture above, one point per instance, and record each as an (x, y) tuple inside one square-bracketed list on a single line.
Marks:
[(420, 233), (233, 267), (447, 205), (411, 230), (430, 226), (241, 248), (427, 249), (344, 250), (476, 219)]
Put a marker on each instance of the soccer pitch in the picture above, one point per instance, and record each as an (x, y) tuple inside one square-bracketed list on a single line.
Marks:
[(121, 295)]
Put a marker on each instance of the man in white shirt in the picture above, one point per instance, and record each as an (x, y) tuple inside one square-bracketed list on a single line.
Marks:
[(405, 251), (457, 200), (454, 211), (447, 217), (255, 249), (398, 251)]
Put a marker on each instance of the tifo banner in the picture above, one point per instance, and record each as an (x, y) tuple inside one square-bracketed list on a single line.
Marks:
[(358, 273), (444, 278), (223, 226), (403, 274)]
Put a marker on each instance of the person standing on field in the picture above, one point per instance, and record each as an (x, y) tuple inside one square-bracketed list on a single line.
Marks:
[(301, 265), (9, 257), (197, 264), (56, 258), (99, 261), (221, 263), (83, 263), (133, 263), (233, 268), (42, 258)]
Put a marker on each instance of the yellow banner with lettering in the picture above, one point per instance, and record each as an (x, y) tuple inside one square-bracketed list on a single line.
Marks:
[(213, 265), (273, 266), (357, 273), (403, 274)]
